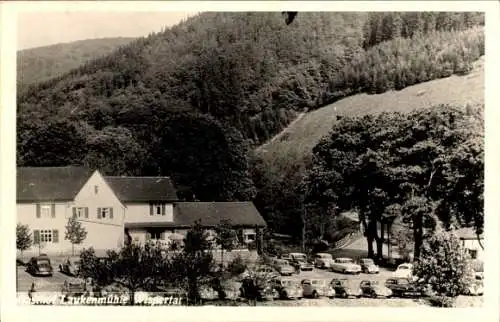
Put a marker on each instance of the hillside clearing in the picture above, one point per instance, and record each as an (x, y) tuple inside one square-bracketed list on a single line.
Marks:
[(300, 137)]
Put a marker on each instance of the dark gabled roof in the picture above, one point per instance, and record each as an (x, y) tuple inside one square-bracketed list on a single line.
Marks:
[(50, 183), (142, 189), (211, 213)]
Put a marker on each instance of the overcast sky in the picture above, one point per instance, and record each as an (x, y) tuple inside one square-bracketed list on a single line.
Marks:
[(47, 28)]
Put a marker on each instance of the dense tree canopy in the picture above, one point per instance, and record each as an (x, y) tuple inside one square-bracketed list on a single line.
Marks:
[(404, 165), (191, 100)]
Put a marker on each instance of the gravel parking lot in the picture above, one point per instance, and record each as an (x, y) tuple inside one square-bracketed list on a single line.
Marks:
[(54, 284)]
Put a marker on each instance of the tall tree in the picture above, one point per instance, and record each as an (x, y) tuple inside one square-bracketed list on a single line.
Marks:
[(75, 233), (193, 266), (225, 237), (23, 238), (375, 163)]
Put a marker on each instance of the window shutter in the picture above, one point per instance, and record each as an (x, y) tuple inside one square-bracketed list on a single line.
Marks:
[(55, 236), (86, 212), (98, 213), (36, 236), (74, 212), (38, 210), (151, 209), (163, 210), (110, 213), (53, 210)]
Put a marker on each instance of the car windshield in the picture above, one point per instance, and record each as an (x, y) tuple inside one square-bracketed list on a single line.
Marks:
[(344, 260), (404, 267), (325, 256), (317, 282), (339, 282), (281, 262), (43, 262), (287, 283), (300, 257), (367, 261)]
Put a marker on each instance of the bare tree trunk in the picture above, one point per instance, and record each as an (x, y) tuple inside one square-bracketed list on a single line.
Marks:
[(417, 235), (369, 239), (389, 239), (380, 242), (303, 228), (222, 258)]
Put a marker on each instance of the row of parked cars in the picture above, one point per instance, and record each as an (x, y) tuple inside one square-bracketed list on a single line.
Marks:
[(291, 263)]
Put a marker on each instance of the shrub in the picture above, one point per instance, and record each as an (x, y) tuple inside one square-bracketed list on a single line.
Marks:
[(443, 265), (252, 245), (441, 301), (237, 266), (23, 238)]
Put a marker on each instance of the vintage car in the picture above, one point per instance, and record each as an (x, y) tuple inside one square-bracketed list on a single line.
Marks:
[(368, 266), (39, 266), (404, 270), (322, 260), (208, 293), (258, 290), (260, 271), (230, 290), (70, 266), (374, 289), (74, 287), (283, 267), (287, 257), (475, 286), (317, 288), (300, 263), (344, 289), (403, 287), (345, 265), (287, 288)]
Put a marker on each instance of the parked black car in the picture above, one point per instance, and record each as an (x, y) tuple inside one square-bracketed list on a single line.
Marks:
[(39, 265), (403, 287), (343, 289)]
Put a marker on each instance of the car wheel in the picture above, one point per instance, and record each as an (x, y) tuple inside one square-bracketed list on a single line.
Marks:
[(284, 295), (343, 271), (315, 295)]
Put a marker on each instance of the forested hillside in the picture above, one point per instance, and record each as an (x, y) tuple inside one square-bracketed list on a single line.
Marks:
[(191, 101), (42, 63)]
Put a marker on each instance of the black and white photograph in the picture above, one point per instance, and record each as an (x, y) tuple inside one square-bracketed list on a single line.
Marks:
[(256, 158)]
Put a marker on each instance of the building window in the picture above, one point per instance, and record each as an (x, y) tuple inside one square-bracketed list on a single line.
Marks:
[(80, 212), (156, 233), (249, 237), (157, 209), (46, 236), (105, 213), (96, 189), (45, 211)]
